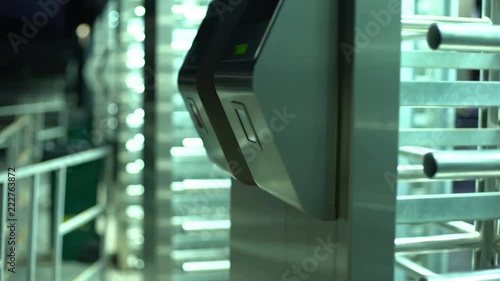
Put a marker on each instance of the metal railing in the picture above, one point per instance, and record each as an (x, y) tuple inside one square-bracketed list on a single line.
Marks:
[(429, 154), (60, 166)]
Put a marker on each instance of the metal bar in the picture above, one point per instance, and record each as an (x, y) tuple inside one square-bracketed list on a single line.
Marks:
[(13, 128), (464, 37), (89, 273), (448, 207), (364, 177), (462, 164), (38, 124), (434, 59), (3, 230), (449, 137), (151, 175), (449, 94), (60, 192), (486, 275), (416, 153), (33, 235), (411, 173), (439, 243), (81, 219), (25, 108), (415, 173), (51, 133), (412, 268), (62, 162), (421, 23), (108, 183), (63, 120), (458, 226)]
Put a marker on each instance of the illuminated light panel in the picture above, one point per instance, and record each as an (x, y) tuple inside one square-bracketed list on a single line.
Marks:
[(206, 225), (135, 211), (139, 113), (190, 12), (135, 167), (181, 45), (135, 190), (135, 52), (140, 37), (204, 184), (134, 121), (140, 11), (206, 266), (192, 142), (185, 151), (135, 62)]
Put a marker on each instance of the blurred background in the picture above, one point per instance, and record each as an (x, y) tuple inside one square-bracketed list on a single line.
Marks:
[(75, 79)]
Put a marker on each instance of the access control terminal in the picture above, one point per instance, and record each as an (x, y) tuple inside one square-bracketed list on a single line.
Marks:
[(196, 85), (276, 81)]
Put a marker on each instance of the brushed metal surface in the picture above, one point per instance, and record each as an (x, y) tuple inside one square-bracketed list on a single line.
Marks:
[(272, 241)]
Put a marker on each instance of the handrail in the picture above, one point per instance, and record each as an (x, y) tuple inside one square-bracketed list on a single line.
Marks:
[(62, 162), (81, 219), (13, 128), (30, 108)]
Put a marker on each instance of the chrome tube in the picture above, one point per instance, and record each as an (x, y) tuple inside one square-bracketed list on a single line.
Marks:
[(90, 273), (421, 23), (33, 235), (30, 108), (412, 268), (471, 164), (108, 200), (60, 194), (448, 207), (81, 219), (13, 129), (439, 243), (486, 275), (411, 172), (61, 162), (464, 37), (458, 226), (416, 153)]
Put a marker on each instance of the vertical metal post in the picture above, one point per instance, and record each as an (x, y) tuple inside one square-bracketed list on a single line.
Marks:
[(15, 146), (33, 234), (39, 124), (150, 144), (108, 203), (30, 138), (488, 118), (3, 228), (493, 118), (63, 117), (60, 192), (371, 122)]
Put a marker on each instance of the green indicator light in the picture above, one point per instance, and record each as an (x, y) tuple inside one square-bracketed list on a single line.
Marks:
[(240, 49)]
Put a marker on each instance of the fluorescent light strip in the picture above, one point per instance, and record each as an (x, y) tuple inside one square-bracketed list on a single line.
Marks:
[(206, 225), (206, 266)]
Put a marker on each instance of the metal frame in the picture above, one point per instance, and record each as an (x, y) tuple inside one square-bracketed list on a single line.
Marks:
[(371, 203), (151, 126), (61, 228), (442, 165)]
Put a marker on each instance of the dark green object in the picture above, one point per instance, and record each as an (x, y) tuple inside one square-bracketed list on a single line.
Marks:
[(81, 194)]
